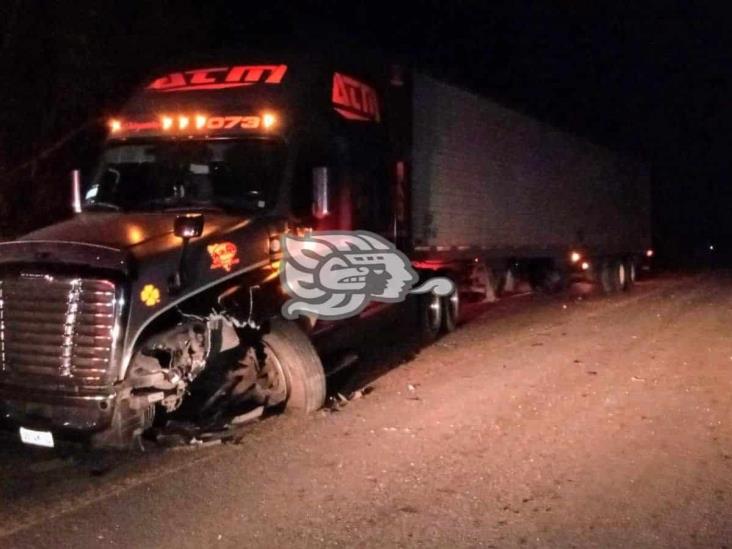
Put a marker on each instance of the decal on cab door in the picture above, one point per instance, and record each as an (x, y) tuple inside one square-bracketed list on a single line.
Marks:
[(224, 255)]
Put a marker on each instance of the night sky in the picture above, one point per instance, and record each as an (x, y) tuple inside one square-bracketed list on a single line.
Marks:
[(653, 82)]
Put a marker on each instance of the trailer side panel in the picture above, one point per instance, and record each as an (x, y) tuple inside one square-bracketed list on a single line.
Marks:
[(485, 176)]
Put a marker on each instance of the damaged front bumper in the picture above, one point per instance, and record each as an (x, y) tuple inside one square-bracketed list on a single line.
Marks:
[(58, 412), (108, 420)]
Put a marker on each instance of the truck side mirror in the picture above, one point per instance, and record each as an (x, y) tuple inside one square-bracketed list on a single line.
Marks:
[(185, 227), (321, 192), (188, 226), (76, 191)]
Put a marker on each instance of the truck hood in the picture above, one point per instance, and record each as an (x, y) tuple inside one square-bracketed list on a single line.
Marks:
[(144, 247), (141, 234)]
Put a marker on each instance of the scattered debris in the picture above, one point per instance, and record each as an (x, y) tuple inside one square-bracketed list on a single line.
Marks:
[(249, 416), (635, 378), (334, 403), (360, 393), (592, 372)]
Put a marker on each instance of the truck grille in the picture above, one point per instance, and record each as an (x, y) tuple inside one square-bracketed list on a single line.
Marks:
[(57, 330)]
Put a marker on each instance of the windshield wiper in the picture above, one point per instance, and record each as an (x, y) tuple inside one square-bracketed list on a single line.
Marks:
[(90, 206), (193, 206), (218, 204)]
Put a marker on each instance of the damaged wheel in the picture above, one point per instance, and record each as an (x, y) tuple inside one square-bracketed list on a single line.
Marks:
[(289, 353)]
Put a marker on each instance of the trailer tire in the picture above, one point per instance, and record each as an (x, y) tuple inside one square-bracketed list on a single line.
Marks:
[(612, 276), (430, 313), (301, 365), (630, 273), (450, 312)]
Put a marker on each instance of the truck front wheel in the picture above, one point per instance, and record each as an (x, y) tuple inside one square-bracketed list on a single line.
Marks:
[(292, 353)]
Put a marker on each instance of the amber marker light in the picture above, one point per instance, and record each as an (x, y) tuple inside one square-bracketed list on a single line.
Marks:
[(269, 120)]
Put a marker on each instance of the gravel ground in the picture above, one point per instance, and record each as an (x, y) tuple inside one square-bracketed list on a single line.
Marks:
[(544, 421)]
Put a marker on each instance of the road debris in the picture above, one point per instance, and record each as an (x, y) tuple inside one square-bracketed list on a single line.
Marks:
[(335, 403)]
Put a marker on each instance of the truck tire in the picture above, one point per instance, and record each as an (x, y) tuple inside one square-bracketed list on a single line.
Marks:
[(300, 364), (430, 312), (450, 312), (612, 276), (630, 273)]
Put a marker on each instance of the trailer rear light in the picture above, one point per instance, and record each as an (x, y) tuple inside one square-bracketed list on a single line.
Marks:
[(585, 265), (183, 122), (115, 125), (650, 252), (200, 121), (574, 257), (268, 120)]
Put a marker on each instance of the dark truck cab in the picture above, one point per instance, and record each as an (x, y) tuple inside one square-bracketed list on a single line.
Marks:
[(164, 287)]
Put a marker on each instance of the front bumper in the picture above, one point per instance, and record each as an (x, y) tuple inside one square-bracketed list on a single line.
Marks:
[(70, 414)]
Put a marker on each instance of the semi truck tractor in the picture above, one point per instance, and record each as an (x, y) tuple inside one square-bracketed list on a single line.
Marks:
[(161, 295)]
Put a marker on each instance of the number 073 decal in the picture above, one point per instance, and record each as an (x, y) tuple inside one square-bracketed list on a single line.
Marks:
[(230, 122)]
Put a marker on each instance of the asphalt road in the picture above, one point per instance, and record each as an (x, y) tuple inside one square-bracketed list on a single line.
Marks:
[(544, 421)]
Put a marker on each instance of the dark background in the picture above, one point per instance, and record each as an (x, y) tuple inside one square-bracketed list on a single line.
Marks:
[(652, 81)]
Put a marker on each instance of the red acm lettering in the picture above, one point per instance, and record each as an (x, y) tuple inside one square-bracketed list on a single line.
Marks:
[(218, 78), (355, 100)]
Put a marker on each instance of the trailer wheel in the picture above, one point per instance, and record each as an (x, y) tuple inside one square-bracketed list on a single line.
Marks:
[(451, 312), (613, 276), (291, 352), (430, 317), (630, 273)]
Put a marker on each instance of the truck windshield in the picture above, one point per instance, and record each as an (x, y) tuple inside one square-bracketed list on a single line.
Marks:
[(170, 175)]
